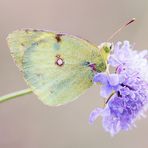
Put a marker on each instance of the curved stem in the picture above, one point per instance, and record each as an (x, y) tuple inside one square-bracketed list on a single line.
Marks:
[(15, 94)]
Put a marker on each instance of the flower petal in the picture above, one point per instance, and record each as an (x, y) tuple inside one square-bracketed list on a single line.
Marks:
[(94, 115), (105, 91), (113, 79), (100, 77)]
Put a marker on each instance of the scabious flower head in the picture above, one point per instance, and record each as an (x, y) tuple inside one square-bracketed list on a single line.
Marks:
[(127, 89), (127, 60)]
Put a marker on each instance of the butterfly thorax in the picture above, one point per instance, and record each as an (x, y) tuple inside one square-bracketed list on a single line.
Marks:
[(99, 61)]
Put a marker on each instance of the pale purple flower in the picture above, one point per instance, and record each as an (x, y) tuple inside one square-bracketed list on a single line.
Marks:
[(129, 89), (109, 83), (127, 60)]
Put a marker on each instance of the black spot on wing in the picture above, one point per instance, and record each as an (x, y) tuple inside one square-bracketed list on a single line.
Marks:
[(35, 30), (58, 37), (27, 30), (38, 30), (22, 44)]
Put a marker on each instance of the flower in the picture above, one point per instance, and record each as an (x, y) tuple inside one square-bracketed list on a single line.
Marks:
[(109, 83), (127, 60), (126, 90)]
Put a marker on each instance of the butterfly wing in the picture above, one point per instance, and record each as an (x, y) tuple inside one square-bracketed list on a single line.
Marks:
[(55, 66), (20, 40)]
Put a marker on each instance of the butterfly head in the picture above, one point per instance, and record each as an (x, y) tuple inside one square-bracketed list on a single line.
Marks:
[(105, 50)]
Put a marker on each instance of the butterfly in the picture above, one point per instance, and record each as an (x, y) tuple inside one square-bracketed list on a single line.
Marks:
[(57, 67)]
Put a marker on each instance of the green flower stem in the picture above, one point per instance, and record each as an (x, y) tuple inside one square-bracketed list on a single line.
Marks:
[(15, 94)]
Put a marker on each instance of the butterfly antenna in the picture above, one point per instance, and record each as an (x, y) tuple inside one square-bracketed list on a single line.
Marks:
[(120, 29)]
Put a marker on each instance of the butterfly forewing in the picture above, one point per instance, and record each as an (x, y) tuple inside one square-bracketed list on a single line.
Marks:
[(55, 66), (20, 40)]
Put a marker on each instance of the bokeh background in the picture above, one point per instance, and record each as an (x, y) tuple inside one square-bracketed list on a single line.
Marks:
[(25, 122)]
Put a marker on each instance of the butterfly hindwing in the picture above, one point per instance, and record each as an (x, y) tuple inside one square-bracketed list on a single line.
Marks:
[(56, 66)]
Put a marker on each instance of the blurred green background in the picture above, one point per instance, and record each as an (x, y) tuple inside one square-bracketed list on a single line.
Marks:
[(25, 122)]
